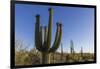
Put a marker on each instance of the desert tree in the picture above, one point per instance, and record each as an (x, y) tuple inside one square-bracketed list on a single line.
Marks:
[(21, 52)]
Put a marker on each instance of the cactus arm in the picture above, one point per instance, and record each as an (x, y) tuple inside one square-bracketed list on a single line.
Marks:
[(37, 31), (56, 45), (56, 37), (41, 35), (45, 39), (49, 29), (61, 48), (45, 33)]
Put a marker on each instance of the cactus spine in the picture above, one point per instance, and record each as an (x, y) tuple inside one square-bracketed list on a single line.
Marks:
[(44, 44)]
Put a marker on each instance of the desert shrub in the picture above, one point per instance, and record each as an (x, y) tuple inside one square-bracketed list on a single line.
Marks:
[(23, 56)]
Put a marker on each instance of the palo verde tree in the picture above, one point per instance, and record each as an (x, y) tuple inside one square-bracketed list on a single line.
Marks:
[(43, 41)]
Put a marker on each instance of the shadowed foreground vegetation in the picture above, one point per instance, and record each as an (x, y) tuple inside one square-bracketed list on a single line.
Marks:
[(23, 56)]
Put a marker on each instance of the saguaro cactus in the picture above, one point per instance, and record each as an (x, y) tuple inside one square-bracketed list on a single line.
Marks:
[(81, 52), (44, 44), (72, 50), (61, 52), (71, 47)]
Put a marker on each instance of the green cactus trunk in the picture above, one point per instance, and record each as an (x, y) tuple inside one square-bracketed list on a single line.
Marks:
[(61, 52), (71, 47), (53, 57), (67, 57), (45, 58), (44, 44), (81, 53), (72, 50)]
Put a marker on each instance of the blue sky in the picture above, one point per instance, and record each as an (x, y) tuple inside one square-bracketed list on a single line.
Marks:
[(78, 25)]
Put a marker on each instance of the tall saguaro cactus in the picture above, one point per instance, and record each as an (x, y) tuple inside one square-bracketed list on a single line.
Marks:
[(44, 44), (61, 52), (71, 47), (72, 50), (81, 52)]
